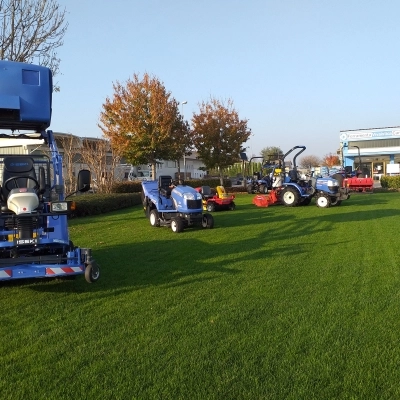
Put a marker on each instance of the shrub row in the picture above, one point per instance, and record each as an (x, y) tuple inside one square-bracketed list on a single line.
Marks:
[(94, 204), (390, 182)]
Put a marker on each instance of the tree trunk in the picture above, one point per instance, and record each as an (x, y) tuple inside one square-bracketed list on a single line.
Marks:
[(221, 179)]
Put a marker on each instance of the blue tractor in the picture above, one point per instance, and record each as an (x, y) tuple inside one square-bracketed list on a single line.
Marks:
[(176, 205), (34, 238), (295, 190)]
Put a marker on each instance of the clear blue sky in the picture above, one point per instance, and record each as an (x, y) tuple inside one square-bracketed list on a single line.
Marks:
[(299, 70)]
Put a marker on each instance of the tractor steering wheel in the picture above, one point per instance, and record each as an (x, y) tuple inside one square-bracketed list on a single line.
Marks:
[(15, 180)]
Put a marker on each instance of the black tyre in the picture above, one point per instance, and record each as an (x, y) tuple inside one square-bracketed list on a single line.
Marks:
[(154, 218), (92, 272), (249, 189), (335, 201), (323, 201), (263, 189), (232, 206), (177, 225), (305, 201), (210, 206), (339, 178), (147, 211), (290, 197), (207, 221)]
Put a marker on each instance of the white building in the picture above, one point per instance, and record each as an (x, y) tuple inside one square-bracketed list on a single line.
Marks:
[(190, 168)]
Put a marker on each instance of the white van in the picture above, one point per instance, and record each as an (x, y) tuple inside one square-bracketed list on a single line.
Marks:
[(140, 176)]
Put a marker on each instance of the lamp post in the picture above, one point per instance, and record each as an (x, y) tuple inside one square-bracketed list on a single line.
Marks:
[(184, 156)]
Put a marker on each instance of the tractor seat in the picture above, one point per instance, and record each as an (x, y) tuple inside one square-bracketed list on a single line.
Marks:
[(164, 185), (20, 168), (206, 192), (293, 175)]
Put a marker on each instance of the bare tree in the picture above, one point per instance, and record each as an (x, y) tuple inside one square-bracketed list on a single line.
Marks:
[(102, 161), (70, 145), (31, 31), (310, 161)]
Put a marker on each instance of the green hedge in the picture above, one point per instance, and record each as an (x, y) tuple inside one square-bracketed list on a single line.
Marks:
[(127, 187), (93, 204), (390, 182)]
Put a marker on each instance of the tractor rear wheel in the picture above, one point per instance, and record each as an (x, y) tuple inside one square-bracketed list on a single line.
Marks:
[(263, 189), (290, 197), (323, 201), (339, 178), (154, 218), (207, 221), (177, 225), (249, 189), (335, 201)]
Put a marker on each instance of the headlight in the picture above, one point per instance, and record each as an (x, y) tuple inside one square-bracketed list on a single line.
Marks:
[(333, 182), (192, 196), (61, 206)]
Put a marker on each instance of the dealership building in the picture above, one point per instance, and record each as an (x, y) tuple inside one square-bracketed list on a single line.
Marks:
[(376, 151)]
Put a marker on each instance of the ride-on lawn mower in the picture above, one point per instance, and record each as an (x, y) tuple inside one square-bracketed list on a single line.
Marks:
[(216, 200), (177, 206), (34, 238)]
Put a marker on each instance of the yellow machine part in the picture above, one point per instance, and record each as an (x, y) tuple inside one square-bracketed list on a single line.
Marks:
[(16, 236), (221, 192)]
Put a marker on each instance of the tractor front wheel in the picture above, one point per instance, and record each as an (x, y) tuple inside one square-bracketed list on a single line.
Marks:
[(323, 201), (177, 225), (210, 206), (207, 221), (154, 218), (92, 272), (232, 206), (290, 197)]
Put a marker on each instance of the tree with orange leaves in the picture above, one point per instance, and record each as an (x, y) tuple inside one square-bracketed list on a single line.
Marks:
[(330, 160), (142, 121), (218, 134)]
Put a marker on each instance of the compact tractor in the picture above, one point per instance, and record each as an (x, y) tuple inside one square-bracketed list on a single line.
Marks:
[(176, 205), (34, 238), (291, 190), (259, 182)]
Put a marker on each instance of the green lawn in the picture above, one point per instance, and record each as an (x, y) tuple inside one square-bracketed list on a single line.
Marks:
[(273, 303)]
